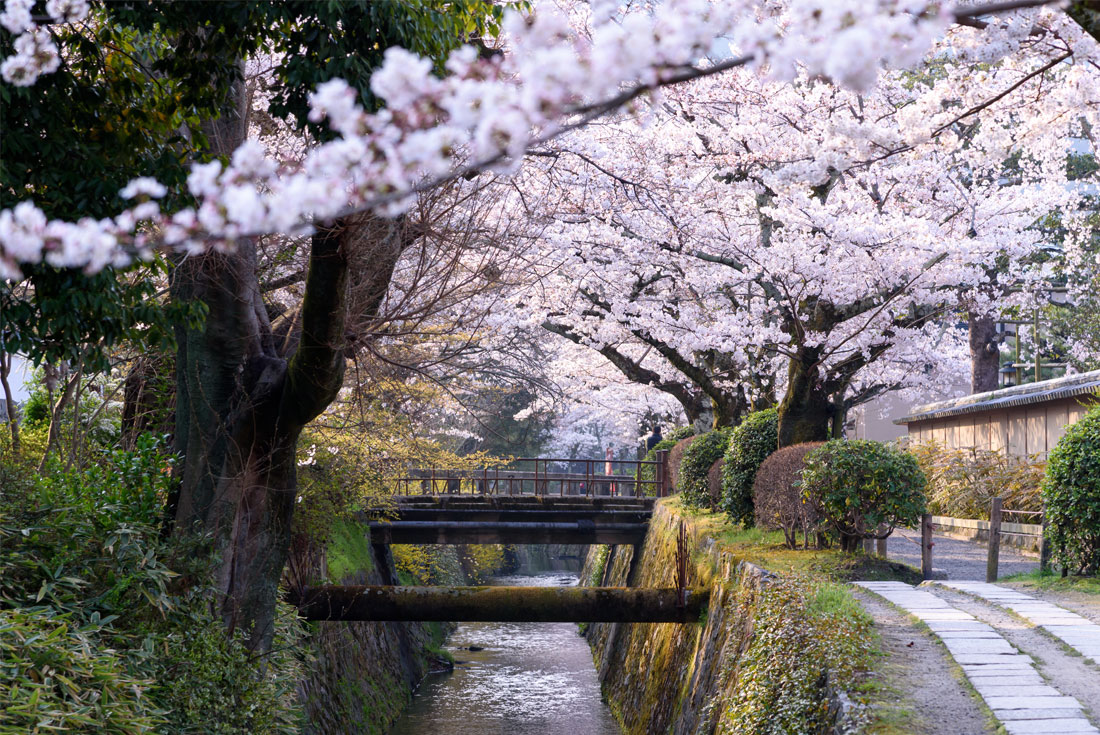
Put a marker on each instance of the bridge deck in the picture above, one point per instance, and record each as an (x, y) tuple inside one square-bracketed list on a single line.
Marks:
[(514, 519)]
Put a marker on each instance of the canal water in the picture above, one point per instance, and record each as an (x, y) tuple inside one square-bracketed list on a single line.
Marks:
[(521, 679)]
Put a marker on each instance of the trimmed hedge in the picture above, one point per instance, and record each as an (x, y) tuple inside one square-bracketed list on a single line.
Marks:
[(680, 433), (1071, 495), (863, 489), (777, 494), (699, 456), (750, 444), (676, 458)]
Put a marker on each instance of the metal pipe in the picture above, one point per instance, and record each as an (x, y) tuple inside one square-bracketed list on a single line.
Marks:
[(500, 604)]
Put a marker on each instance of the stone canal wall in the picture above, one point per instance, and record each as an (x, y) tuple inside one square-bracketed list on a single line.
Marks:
[(678, 678), (363, 675)]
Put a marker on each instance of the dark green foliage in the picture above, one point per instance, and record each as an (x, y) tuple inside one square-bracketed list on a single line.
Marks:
[(108, 627), (698, 458), (680, 433), (1071, 496), (863, 489), (750, 444), (647, 473)]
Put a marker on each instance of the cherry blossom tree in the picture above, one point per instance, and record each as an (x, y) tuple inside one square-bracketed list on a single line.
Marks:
[(247, 397), (801, 231)]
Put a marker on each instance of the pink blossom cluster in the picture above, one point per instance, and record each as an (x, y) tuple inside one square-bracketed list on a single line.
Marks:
[(35, 51), (483, 114), (730, 219)]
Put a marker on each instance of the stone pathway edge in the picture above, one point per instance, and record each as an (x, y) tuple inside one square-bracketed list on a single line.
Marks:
[(1075, 631), (1006, 679)]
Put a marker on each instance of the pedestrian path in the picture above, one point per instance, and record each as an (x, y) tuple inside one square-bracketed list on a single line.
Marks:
[(1006, 679), (1079, 633)]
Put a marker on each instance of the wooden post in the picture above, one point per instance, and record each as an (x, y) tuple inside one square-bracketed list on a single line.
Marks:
[(1044, 549), (926, 545), (661, 473), (994, 540)]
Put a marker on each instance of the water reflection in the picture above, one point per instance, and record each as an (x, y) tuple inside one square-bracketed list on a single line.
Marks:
[(526, 679)]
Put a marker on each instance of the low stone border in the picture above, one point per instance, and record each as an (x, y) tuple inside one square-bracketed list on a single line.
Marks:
[(1023, 537)]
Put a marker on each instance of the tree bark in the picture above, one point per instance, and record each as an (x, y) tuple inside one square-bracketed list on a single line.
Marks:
[(985, 352), (6, 362), (58, 412), (805, 412)]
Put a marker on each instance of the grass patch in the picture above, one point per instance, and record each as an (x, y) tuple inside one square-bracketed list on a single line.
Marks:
[(767, 549), (1056, 583)]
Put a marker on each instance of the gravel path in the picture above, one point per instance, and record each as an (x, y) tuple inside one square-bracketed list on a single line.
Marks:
[(929, 701), (1029, 682), (956, 559)]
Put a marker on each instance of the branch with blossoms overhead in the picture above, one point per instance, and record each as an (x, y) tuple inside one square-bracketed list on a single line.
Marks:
[(484, 114)]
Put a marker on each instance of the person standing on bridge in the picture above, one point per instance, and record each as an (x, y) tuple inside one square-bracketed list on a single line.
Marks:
[(653, 439)]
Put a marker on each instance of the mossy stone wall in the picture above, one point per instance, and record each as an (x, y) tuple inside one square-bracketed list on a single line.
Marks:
[(671, 678), (363, 675)]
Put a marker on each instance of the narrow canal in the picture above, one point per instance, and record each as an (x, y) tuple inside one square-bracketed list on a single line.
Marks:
[(519, 679)]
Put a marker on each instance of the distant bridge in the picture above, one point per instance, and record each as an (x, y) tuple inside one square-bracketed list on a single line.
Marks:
[(543, 476), (507, 506), (514, 519)]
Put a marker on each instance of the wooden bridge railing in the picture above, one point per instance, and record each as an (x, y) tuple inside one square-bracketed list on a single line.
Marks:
[(588, 477)]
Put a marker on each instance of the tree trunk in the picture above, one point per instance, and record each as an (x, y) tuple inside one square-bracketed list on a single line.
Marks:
[(58, 413), (6, 363), (985, 353), (805, 412), (729, 409)]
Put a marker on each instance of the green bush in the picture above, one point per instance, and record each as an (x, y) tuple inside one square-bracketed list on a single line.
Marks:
[(698, 458), (1071, 494), (863, 489), (91, 594), (679, 434), (57, 676), (806, 637), (750, 444)]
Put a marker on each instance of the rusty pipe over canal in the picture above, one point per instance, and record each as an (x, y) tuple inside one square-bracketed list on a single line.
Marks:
[(500, 604)]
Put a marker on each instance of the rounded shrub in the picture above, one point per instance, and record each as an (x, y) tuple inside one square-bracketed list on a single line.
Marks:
[(750, 444), (777, 494), (1071, 496), (676, 458), (863, 489), (699, 456), (680, 433)]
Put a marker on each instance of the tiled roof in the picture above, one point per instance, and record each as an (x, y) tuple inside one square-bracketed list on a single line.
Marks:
[(1018, 395)]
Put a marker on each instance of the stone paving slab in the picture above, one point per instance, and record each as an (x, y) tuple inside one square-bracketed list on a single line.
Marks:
[(1015, 690), (1013, 715), (1069, 726), (978, 645), (1004, 678), (1077, 632)]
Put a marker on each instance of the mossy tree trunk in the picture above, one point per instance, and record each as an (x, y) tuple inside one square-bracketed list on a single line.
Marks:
[(985, 353), (805, 413)]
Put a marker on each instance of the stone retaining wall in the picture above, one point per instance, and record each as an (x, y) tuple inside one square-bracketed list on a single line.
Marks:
[(668, 677)]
